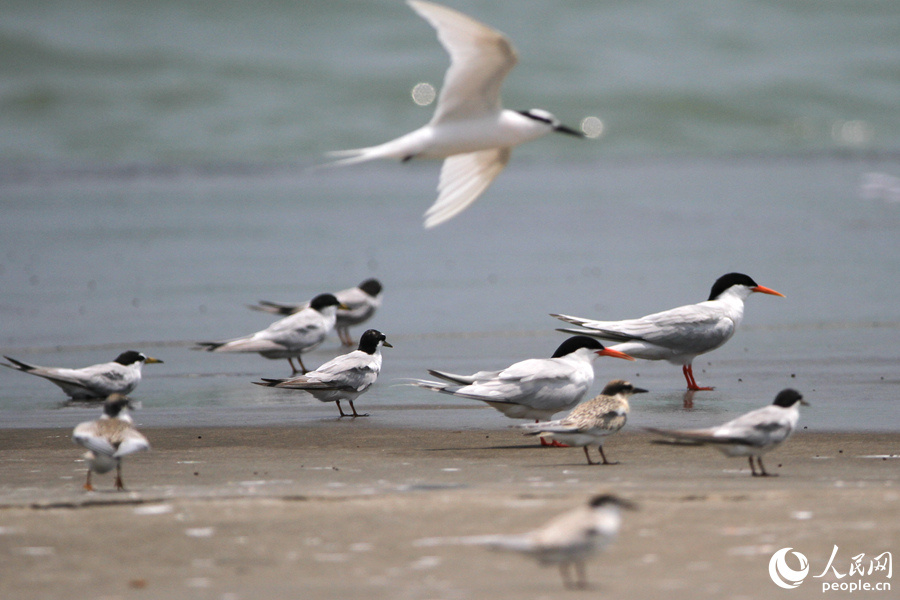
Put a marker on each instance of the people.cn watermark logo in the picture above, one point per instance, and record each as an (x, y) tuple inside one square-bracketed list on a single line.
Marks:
[(782, 574), (863, 575)]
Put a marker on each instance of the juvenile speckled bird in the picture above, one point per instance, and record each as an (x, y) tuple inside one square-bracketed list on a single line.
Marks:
[(567, 540), (344, 377), (289, 337), (590, 422), (120, 376), (361, 302), (752, 434), (108, 439), (681, 334)]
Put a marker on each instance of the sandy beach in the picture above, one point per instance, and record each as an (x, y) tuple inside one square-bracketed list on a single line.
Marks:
[(333, 510)]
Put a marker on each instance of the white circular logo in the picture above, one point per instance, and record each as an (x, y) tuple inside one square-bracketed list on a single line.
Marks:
[(782, 574)]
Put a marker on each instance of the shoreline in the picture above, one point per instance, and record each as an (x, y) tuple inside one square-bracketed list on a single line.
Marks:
[(334, 510)]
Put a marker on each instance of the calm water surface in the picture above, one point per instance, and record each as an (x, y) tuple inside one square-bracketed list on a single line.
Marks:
[(154, 181)]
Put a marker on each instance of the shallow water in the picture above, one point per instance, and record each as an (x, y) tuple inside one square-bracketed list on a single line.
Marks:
[(96, 263), (153, 183)]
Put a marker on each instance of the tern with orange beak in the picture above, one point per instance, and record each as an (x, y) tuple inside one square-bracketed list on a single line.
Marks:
[(681, 334), (536, 388)]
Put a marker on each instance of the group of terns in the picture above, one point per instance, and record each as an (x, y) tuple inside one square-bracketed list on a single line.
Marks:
[(474, 135)]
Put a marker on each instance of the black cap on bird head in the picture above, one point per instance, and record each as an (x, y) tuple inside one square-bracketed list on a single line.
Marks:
[(602, 500), (369, 341), (786, 398), (371, 286), (577, 343), (729, 279), (324, 300)]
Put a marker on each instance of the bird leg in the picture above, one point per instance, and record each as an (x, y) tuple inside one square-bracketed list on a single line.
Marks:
[(688, 371), (344, 335), (564, 573), (581, 583), (353, 408), (752, 466), (356, 414), (587, 455), (119, 485), (762, 469), (603, 456), (294, 370), (87, 483)]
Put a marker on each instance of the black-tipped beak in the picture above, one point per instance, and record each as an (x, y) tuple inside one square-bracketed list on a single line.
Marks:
[(639, 391), (386, 344), (568, 130)]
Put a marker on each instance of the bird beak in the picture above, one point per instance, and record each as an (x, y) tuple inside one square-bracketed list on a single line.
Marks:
[(766, 290), (804, 403), (639, 390), (386, 344), (568, 131), (150, 360), (343, 306), (614, 353)]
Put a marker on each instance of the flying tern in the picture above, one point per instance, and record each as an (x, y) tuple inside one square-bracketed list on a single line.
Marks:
[(470, 128), (120, 376), (681, 334), (342, 378), (289, 337), (590, 422), (567, 540), (361, 302), (752, 434), (108, 439), (535, 388)]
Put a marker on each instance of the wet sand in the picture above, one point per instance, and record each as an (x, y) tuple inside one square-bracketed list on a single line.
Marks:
[(332, 510)]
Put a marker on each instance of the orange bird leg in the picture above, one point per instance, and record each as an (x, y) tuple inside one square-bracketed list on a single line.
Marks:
[(688, 371)]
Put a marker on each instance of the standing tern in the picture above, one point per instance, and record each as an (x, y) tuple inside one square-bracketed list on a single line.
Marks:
[(567, 540), (681, 334), (289, 337), (535, 388), (470, 128), (120, 376), (342, 378), (752, 434), (590, 422), (108, 439), (361, 302)]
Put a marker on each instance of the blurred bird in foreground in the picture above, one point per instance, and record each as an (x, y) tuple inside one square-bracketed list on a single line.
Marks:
[(108, 439), (567, 540)]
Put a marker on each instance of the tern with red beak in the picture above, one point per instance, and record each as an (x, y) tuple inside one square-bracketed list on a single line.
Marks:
[(681, 334), (536, 388)]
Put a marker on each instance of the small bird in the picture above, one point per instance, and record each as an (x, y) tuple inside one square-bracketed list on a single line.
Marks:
[(342, 378), (567, 540), (752, 434), (681, 334), (470, 128), (535, 388), (289, 337), (120, 376), (108, 439), (591, 421), (361, 303)]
